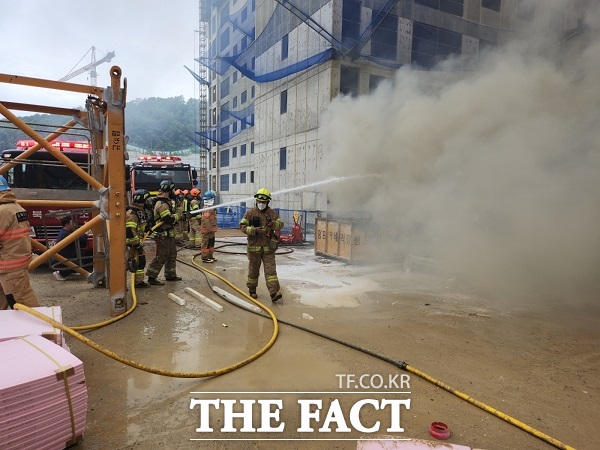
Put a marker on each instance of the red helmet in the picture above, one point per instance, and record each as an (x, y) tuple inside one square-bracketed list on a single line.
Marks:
[(195, 192)]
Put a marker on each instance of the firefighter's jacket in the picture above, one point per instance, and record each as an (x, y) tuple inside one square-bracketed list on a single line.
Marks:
[(194, 206), (135, 226), (208, 224), (15, 244), (268, 220), (181, 208), (164, 211)]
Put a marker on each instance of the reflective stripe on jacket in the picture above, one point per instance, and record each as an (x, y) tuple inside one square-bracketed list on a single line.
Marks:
[(15, 243), (135, 226)]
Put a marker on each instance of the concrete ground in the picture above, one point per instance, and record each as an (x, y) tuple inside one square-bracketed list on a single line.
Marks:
[(537, 364)]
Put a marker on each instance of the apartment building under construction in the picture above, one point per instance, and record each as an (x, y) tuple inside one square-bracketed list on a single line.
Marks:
[(275, 65)]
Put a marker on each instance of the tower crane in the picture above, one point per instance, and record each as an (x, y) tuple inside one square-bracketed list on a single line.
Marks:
[(91, 67)]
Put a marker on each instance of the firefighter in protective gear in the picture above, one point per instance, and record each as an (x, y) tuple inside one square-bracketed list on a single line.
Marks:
[(195, 235), (166, 249), (180, 209), (15, 252), (185, 216), (208, 227), (260, 224), (135, 226)]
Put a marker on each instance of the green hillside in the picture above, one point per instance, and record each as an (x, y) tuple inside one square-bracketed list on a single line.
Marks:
[(160, 124)]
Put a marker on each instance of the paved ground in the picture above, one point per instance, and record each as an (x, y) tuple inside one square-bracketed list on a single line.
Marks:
[(539, 364)]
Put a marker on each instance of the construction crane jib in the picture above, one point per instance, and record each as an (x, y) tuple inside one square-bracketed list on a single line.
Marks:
[(91, 67)]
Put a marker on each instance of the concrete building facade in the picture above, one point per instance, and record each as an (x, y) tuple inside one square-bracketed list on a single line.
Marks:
[(276, 65)]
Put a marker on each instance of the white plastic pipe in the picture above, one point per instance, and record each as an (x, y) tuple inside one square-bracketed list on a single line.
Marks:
[(180, 301), (238, 301), (203, 298)]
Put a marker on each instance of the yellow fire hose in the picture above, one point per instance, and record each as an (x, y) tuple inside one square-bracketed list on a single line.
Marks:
[(149, 369), (134, 304), (403, 365), (494, 411)]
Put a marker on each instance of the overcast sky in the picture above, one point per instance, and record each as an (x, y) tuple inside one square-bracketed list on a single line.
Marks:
[(47, 39)]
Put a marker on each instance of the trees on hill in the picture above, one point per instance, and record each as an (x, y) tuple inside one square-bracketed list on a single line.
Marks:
[(161, 124)]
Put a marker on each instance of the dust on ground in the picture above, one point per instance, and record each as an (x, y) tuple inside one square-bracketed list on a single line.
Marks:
[(538, 364)]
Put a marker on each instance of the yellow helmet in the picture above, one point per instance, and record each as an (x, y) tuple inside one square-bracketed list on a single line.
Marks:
[(263, 194)]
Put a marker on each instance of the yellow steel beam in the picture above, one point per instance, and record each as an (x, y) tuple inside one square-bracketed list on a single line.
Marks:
[(59, 203), (55, 110), (117, 199), (44, 257), (49, 84), (56, 153), (66, 241), (30, 151), (96, 111), (105, 111)]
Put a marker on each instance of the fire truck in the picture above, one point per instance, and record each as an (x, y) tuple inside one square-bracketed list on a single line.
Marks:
[(148, 171), (42, 176)]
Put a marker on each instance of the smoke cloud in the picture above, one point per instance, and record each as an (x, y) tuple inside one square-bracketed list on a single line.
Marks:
[(493, 173)]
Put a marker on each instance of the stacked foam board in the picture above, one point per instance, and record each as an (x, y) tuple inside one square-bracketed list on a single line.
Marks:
[(15, 323), (43, 396)]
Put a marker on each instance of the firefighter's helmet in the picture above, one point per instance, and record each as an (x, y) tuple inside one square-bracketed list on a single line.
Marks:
[(4, 184), (208, 195), (195, 192), (185, 192), (140, 196), (263, 194), (166, 186)]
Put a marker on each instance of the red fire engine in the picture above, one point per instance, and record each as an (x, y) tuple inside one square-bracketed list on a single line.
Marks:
[(148, 171), (41, 176)]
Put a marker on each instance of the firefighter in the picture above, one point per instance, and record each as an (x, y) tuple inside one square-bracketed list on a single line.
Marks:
[(135, 227), (260, 224), (194, 236), (166, 249), (15, 252), (208, 227), (185, 216), (179, 208)]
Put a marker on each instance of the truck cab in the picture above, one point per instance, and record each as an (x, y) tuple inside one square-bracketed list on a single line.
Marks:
[(148, 171)]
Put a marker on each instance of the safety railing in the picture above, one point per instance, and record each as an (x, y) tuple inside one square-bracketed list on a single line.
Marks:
[(229, 217)]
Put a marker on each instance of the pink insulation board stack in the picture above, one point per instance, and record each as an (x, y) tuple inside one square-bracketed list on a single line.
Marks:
[(43, 395), (15, 323)]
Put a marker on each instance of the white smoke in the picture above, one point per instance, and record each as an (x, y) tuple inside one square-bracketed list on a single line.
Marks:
[(494, 173)]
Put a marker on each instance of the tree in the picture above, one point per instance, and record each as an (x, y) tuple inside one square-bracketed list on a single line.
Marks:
[(160, 124)]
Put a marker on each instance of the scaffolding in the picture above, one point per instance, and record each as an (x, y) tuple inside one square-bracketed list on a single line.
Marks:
[(104, 119), (203, 86)]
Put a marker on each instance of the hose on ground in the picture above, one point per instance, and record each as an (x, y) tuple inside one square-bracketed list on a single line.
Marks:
[(149, 369), (402, 365)]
